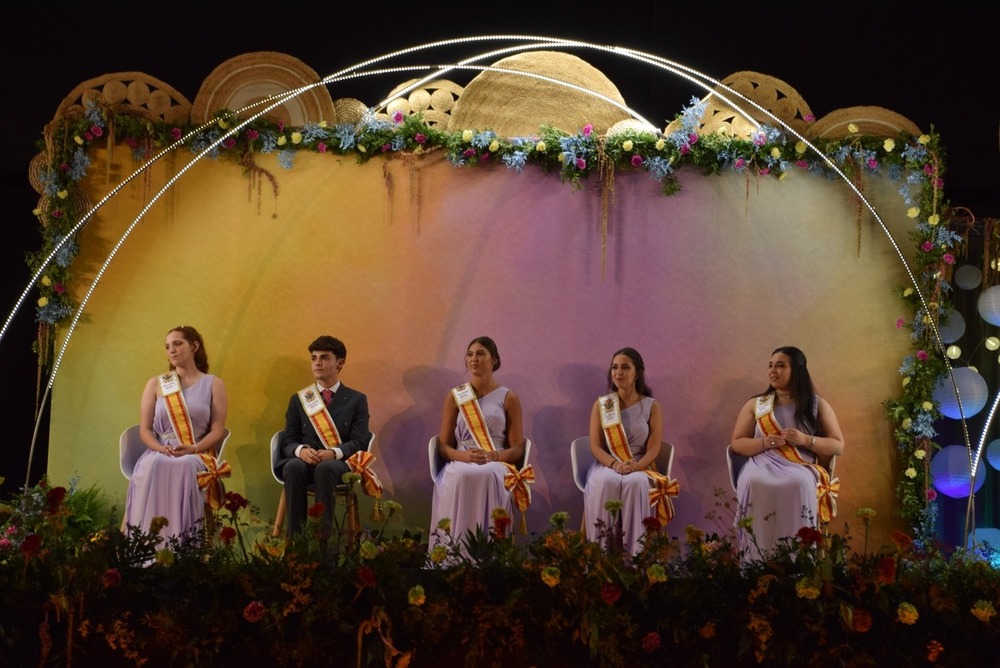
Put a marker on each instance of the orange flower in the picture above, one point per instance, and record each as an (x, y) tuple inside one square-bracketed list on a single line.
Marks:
[(934, 650), (862, 620), (707, 631)]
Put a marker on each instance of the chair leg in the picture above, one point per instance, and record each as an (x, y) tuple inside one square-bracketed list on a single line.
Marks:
[(353, 518), (279, 516)]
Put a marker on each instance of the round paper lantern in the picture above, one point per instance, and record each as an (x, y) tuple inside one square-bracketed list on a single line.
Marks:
[(953, 352), (968, 276), (992, 343), (955, 327), (993, 454), (971, 387), (950, 472), (989, 305)]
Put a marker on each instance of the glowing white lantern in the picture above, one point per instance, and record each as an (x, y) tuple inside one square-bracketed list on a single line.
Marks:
[(953, 352), (968, 277), (950, 472), (989, 305), (955, 327), (992, 343), (971, 388)]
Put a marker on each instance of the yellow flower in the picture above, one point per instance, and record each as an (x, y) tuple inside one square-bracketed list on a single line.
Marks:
[(627, 145), (361, 147), (783, 176), (911, 473), (983, 611), (807, 589), (367, 550), (416, 595), (800, 147), (165, 557), (37, 211), (322, 124), (919, 454), (852, 128), (907, 292), (550, 575), (660, 144), (540, 147), (906, 381), (933, 219), (62, 194), (927, 406), (467, 136), (866, 513), (888, 145), (296, 137), (438, 554), (775, 152), (43, 301), (924, 139), (223, 124), (655, 573), (282, 141), (78, 139), (912, 212), (907, 614), (907, 422), (444, 524), (498, 513), (46, 281), (494, 146)]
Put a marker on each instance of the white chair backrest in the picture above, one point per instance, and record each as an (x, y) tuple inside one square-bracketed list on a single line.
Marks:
[(580, 460), (665, 460), (276, 449), (131, 447), (436, 462)]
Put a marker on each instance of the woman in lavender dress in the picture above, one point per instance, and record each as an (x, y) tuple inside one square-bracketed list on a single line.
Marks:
[(610, 479), (776, 494), (164, 482), (471, 484)]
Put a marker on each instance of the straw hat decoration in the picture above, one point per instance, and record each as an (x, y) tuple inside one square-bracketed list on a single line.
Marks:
[(252, 77), (874, 121), (434, 99), (515, 105), (130, 93)]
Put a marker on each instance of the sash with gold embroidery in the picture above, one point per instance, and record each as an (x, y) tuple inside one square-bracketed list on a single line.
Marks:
[(315, 408), (177, 410), (516, 482), (472, 413), (611, 424), (827, 490)]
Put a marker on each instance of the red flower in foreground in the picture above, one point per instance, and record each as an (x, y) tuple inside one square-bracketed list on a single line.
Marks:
[(862, 620), (228, 535), (254, 612), (366, 577), (610, 592), (902, 541), (30, 544), (316, 510), (235, 502), (934, 649), (112, 578), (500, 526), (887, 570), (651, 642), (54, 497), (809, 536), (651, 524)]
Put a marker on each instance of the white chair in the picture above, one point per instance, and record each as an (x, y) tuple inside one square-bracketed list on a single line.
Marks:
[(437, 462), (581, 458), (131, 447), (353, 518), (735, 462)]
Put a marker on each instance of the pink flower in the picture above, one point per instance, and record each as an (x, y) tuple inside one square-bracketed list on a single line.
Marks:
[(386, 148), (5, 543), (928, 169), (872, 163), (922, 355), (11, 530), (685, 149), (939, 183), (112, 578), (321, 147), (254, 612), (57, 213), (802, 163), (63, 166), (692, 138), (926, 247), (900, 323), (765, 171), (229, 142), (637, 160), (397, 117), (809, 118), (759, 139), (931, 494), (740, 163), (581, 163), (484, 157), (88, 136), (281, 126), (948, 258), (96, 130), (252, 134), (131, 142), (651, 642), (587, 129), (469, 153), (420, 137), (176, 133)]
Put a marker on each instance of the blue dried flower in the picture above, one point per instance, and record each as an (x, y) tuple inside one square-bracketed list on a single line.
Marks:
[(285, 158), (93, 114), (344, 134), (515, 160), (50, 181), (659, 168), (268, 142), (79, 165), (312, 132), (64, 256), (52, 313)]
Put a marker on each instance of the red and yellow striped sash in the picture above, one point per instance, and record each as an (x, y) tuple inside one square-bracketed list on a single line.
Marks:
[(472, 413), (319, 417), (177, 411), (611, 424)]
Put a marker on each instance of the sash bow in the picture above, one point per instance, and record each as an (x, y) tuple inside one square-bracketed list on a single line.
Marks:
[(516, 482), (360, 462), (828, 493), (210, 480), (660, 496)]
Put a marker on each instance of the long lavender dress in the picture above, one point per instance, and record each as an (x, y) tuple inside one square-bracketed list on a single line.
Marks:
[(604, 484), (168, 486), (468, 493), (779, 495)]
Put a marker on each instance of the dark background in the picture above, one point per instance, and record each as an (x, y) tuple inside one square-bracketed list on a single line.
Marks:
[(937, 67)]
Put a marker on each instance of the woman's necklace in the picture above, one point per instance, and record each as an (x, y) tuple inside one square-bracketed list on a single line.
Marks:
[(783, 395)]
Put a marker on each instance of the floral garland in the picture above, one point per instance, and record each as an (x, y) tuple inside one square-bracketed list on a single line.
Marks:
[(916, 162)]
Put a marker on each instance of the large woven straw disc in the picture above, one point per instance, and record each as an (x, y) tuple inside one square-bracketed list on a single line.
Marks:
[(874, 121), (434, 99), (131, 93), (252, 77), (516, 105), (771, 94)]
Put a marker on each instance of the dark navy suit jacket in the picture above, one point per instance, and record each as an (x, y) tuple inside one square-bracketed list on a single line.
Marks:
[(349, 410)]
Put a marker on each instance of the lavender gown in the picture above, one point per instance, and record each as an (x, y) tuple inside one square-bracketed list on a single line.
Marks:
[(468, 493), (604, 484), (779, 495), (168, 486)]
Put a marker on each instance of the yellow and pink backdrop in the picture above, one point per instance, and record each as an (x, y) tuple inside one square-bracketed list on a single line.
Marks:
[(408, 259)]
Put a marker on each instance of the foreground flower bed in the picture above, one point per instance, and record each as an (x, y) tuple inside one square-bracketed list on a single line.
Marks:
[(74, 589)]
